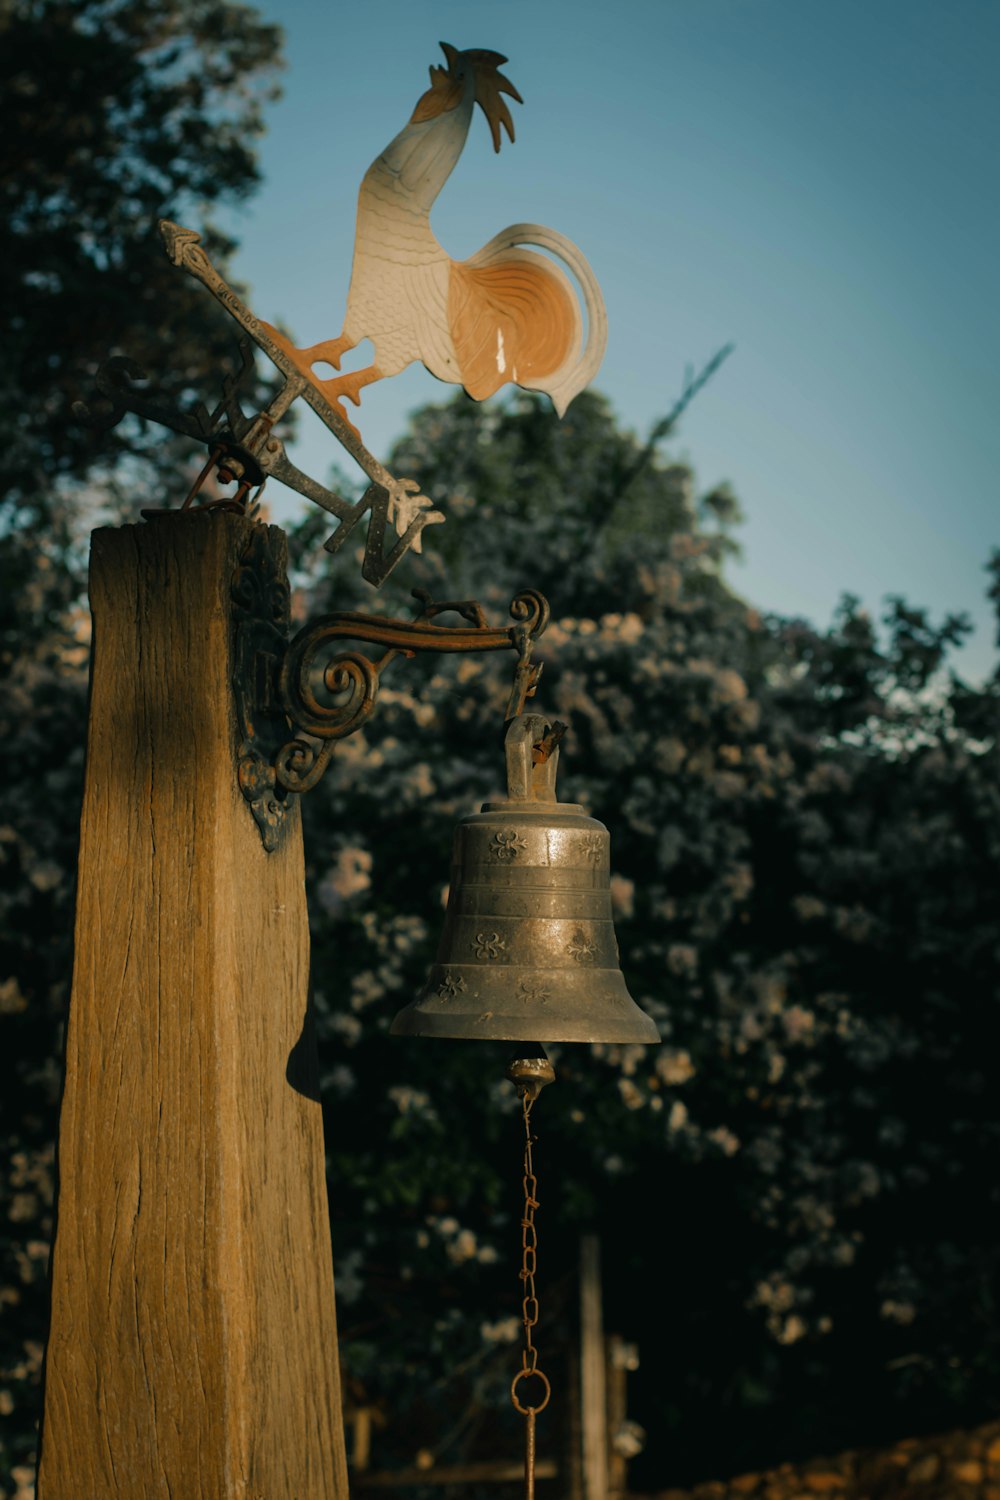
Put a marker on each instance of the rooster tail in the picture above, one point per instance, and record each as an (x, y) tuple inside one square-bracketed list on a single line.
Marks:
[(507, 289)]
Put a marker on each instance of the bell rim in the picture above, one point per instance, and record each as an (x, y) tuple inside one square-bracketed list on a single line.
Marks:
[(636, 1029), (613, 1016)]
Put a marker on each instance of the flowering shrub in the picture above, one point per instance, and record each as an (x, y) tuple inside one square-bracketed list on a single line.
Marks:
[(805, 843), (804, 866)]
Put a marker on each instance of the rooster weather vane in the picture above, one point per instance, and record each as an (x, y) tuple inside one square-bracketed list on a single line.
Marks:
[(507, 315)]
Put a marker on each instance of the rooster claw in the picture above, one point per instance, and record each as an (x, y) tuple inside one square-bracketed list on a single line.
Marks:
[(406, 503), (329, 352)]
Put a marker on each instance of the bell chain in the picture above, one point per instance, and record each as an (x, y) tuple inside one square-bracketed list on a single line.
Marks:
[(529, 1306)]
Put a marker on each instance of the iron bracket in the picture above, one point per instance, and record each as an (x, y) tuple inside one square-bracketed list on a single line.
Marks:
[(295, 699)]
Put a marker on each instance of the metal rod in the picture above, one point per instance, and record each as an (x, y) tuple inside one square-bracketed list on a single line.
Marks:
[(529, 1455)]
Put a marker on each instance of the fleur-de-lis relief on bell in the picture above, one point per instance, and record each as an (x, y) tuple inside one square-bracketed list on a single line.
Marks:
[(528, 951), (450, 985), (507, 843), (489, 945), (595, 848), (581, 948)]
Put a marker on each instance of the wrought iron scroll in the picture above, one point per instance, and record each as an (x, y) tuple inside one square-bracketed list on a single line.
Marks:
[(297, 698), (261, 615), (352, 679)]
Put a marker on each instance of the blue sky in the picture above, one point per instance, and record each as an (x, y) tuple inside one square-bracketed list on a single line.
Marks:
[(816, 182)]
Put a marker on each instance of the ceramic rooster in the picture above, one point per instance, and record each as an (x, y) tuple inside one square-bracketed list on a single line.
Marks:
[(507, 314)]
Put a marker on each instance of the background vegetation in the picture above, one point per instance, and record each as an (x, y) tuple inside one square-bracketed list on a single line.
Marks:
[(806, 839)]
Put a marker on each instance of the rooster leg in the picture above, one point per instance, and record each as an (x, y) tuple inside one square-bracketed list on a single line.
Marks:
[(329, 352), (350, 385)]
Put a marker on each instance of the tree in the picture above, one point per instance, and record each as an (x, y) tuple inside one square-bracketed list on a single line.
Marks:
[(112, 113), (805, 829), (805, 833)]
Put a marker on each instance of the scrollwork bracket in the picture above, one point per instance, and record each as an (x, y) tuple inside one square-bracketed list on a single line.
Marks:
[(296, 699), (261, 617)]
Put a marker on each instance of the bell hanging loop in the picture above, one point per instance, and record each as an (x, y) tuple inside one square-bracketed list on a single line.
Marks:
[(529, 951)]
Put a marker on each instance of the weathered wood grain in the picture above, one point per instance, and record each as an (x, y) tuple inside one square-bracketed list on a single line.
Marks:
[(193, 1351)]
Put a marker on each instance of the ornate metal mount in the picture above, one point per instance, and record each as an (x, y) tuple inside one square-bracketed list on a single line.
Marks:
[(245, 449), (325, 697)]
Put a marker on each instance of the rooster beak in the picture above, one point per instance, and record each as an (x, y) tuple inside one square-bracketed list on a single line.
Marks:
[(445, 92)]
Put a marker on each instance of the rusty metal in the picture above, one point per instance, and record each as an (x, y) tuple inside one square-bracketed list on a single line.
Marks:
[(214, 459), (353, 679), (526, 677), (530, 1074), (246, 446), (261, 613), (530, 1077), (229, 431), (528, 951), (397, 501), (277, 681)]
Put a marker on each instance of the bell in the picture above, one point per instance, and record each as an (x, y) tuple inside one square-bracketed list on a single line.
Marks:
[(529, 949)]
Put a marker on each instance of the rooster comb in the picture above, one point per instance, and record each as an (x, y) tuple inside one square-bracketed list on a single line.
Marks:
[(490, 86)]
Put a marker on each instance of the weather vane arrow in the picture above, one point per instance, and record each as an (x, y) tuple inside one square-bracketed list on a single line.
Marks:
[(507, 315)]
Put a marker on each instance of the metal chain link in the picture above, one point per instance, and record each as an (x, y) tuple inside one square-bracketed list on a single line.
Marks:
[(529, 1305)]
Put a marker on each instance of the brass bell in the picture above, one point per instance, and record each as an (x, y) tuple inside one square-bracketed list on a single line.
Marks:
[(529, 949)]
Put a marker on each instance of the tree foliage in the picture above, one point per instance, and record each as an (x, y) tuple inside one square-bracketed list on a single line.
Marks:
[(804, 834), (112, 114)]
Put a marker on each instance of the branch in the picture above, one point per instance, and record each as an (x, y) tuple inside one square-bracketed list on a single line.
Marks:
[(692, 385)]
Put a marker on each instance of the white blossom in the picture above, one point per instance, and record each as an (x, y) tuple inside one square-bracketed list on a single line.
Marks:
[(503, 1331), (674, 1066)]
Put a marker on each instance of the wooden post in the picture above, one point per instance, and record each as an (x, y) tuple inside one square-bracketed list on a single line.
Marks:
[(625, 1438), (593, 1373), (193, 1348)]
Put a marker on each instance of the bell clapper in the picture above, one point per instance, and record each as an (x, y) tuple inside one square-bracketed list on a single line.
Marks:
[(530, 1071)]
